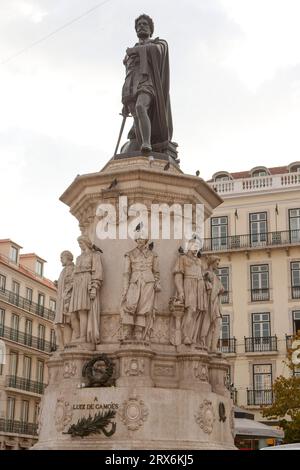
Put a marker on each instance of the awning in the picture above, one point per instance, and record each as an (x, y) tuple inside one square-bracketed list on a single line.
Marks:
[(249, 427)]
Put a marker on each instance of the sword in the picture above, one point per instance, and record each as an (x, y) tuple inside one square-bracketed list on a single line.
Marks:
[(120, 133)]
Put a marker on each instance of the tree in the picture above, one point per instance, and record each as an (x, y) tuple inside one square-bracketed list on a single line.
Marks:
[(286, 403)]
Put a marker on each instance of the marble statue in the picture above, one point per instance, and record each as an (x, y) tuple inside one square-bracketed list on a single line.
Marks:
[(64, 290), (192, 293), (141, 283), (85, 298), (214, 302)]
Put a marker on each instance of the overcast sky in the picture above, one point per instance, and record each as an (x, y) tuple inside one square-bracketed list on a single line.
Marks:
[(235, 92)]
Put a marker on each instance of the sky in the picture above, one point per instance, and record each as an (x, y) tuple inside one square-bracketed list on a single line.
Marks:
[(235, 94)]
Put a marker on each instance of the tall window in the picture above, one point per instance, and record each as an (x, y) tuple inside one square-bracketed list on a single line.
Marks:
[(39, 267), (295, 279), (223, 274), (258, 228), (52, 340), (2, 282), (41, 337), (296, 321), (40, 372), (52, 305), (29, 294), (219, 232), (2, 321), (41, 302), (13, 254), (259, 282), (294, 222), (262, 376), (14, 325), (28, 332), (36, 412), (13, 364), (261, 326), (10, 411), (27, 367), (24, 411)]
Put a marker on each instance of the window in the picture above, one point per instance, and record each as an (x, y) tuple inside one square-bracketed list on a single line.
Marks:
[(52, 340), (223, 274), (29, 294), (52, 305), (258, 228), (295, 279), (24, 411), (39, 268), (2, 282), (13, 365), (262, 383), (222, 178), (36, 412), (28, 332), (14, 325), (294, 224), (14, 297), (219, 232), (13, 254), (41, 337), (27, 367), (259, 282), (41, 303), (296, 322), (10, 411), (225, 330), (40, 372), (261, 325), (259, 173), (2, 321)]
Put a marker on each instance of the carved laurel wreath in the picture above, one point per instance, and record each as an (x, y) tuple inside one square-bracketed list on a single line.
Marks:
[(87, 371), (94, 425)]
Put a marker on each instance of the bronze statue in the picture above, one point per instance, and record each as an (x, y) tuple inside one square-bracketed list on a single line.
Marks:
[(145, 93)]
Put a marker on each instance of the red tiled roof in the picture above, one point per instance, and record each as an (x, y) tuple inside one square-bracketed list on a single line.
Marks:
[(21, 269), (277, 170)]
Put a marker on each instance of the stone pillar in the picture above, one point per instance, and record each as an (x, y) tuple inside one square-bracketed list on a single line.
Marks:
[(135, 364), (218, 369), (193, 369)]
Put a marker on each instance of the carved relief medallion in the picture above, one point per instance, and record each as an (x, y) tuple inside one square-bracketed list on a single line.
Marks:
[(205, 416), (63, 414), (70, 369), (134, 367), (133, 413), (200, 371)]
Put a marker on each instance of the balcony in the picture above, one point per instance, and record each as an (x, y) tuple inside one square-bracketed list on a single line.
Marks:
[(295, 292), (260, 295), (284, 181), (261, 344), (18, 427), (259, 397), (250, 241), (26, 339), (227, 345), (25, 304), (25, 384)]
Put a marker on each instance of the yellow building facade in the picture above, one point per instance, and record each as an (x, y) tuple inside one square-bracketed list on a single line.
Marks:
[(27, 308), (256, 233)]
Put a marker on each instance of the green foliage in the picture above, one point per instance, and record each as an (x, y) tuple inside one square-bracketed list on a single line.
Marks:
[(286, 407), (94, 425)]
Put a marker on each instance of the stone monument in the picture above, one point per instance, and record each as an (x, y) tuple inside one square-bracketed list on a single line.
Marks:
[(138, 313)]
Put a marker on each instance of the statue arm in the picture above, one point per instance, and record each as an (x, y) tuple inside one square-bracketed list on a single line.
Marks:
[(156, 273), (126, 275), (179, 277)]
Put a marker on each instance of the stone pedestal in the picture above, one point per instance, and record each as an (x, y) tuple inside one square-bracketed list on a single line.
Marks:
[(166, 395)]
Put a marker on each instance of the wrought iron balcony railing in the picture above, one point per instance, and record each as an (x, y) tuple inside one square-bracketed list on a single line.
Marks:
[(259, 397), (227, 345), (261, 343), (18, 427), (25, 384), (26, 339), (25, 304), (260, 295), (252, 241), (295, 292)]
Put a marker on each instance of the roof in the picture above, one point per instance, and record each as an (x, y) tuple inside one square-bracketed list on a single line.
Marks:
[(21, 269), (8, 240), (249, 427), (32, 255), (277, 170)]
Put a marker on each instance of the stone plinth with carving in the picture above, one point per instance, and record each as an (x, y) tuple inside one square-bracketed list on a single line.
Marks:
[(144, 389)]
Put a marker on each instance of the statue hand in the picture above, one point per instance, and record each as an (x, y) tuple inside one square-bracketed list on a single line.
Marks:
[(181, 297), (93, 293), (125, 111)]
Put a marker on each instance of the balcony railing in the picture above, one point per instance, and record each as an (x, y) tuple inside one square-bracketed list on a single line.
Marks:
[(26, 339), (18, 427), (295, 292), (259, 397), (25, 304), (227, 345), (25, 384), (260, 295), (261, 343), (252, 241)]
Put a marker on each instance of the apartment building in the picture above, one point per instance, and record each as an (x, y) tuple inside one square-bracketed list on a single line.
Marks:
[(27, 306), (256, 233)]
